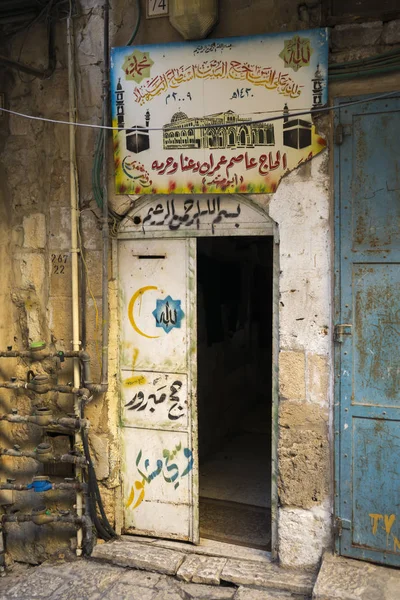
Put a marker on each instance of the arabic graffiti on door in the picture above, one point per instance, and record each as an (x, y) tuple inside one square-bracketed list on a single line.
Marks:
[(167, 468), (142, 401), (168, 214)]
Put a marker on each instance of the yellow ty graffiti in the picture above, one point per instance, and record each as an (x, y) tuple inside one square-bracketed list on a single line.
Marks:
[(388, 522)]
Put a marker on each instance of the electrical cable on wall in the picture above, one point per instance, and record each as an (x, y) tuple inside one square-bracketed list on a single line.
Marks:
[(316, 111)]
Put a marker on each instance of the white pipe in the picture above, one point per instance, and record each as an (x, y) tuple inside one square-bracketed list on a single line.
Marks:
[(74, 254)]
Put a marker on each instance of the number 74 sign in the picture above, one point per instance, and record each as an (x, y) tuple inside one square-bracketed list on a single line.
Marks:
[(156, 8)]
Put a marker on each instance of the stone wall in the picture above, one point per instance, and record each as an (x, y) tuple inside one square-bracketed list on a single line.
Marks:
[(35, 299)]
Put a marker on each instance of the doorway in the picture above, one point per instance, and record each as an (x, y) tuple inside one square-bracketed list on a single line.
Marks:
[(234, 388)]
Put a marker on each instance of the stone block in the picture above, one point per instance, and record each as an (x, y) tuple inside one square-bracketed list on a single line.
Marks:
[(86, 580), (317, 378), (94, 272), (90, 39), (304, 464), (92, 239), (121, 591), (267, 575), (163, 595), (90, 95), (18, 125), (201, 569), (207, 592), (60, 229), (346, 579), (354, 35), (94, 322), (304, 535), (141, 578), (59, 183), (60, 321), (292, 383), (140, 556), (391, 32), (99, 446), (247, 593), (36, 585), (32, 272)]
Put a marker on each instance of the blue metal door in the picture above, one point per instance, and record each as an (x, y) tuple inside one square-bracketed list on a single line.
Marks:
[(367, 330)]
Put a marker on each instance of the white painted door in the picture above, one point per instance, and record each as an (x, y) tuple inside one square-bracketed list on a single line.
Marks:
[(158, 383)]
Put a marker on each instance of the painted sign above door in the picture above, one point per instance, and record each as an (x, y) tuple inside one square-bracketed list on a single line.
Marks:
[(201, 117)]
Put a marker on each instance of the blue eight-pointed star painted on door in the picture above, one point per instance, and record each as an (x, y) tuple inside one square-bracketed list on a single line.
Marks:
[(168, 314)]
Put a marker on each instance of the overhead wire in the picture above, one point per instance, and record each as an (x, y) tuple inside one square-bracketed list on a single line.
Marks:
[(282, 115)]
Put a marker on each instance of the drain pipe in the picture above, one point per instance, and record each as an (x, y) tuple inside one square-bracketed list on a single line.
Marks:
[(74, 256), (105, 228)]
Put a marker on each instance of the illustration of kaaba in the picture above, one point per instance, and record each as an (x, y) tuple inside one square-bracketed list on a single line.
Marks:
[(296, 132), (137, 138)]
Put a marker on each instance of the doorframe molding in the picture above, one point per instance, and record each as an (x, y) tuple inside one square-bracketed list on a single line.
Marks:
[(336, 319), (270, 229)]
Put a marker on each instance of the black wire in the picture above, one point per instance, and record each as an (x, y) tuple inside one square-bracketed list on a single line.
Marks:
[(105, 526)]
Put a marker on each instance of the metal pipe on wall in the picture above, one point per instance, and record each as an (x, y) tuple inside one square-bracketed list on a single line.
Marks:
[(47, 420), (74, 253), (46, 458), (24, 487), (44, 388), (41, 516), (105, 228)]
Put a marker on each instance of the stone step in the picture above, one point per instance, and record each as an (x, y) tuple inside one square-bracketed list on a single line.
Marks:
[(346, 579), (247, 593), (268, 575), (140, 556), (211, 570)]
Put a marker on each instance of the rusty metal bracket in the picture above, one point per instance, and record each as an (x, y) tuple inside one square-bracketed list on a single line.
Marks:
[(340, 132), (340, 330), (339, 525)]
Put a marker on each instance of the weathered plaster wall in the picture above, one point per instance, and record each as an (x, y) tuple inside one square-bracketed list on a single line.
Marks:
[(301, 207), (35, 299)]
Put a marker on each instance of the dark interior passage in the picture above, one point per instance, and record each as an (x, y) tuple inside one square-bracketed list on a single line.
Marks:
[(235, 388)]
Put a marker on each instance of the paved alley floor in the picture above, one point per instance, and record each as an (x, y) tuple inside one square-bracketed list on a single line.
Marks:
[(88, 579)]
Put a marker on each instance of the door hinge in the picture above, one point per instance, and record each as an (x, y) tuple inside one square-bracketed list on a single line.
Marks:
[(340, 330), (340, 132), (339, 525)]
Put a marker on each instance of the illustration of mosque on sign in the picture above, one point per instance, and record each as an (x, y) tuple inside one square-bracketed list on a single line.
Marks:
[(203, 132), (137, 137)]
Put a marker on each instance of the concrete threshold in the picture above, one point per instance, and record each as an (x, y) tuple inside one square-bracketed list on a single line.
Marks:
[(210, 563), (206, 547)]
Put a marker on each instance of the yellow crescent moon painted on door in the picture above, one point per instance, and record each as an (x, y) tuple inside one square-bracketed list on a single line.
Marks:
[(131, 316)]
